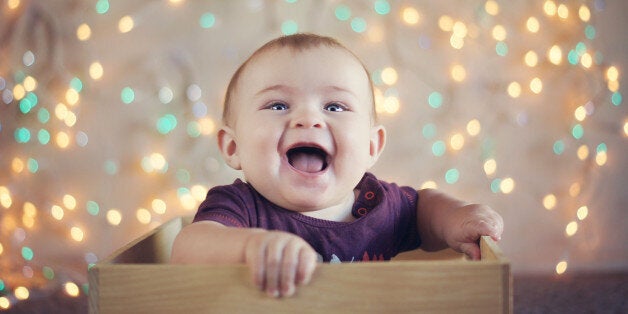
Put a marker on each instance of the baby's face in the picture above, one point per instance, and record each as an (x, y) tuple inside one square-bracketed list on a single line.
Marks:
[(302, 131)]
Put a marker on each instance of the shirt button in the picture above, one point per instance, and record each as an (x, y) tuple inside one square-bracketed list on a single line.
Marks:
[(362, 211)]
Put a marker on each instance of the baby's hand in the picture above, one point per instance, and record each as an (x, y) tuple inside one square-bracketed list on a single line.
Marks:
[(468, 223), (279, 261)]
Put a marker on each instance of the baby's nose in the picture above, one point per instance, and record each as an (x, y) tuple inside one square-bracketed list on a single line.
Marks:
[(307, 119)]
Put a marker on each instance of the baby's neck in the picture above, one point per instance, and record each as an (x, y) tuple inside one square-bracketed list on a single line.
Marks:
[(339, 213)]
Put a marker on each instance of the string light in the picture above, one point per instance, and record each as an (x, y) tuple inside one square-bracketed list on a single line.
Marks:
[(4, 303), (583, 152), (456, 142), (562, 11), (13, 4), (580, 113), (159, 206), (389, 76), (57, 212), (19, 92), (550, 8), (96, 71), (446, 23), (62, 139), (29, 84), (83, 32), (410, 16), (199, 192), (143, 215), (582, 212), (126, 24), (514, 89), (474, 127), (536, 85), (584, 13), (491, 7), (571, 228), (561, 267), (21, 293), (114, 217), (490, 166), (458, 73), (549, 201), (71, 96), (612, 74), (499, 33), (71, 289), (507, 185), (69, 202), (586, 60), (555, 55), (533, 25), (77, 234)]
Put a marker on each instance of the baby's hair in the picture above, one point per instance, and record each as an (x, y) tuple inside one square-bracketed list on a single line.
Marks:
[(298, 42)]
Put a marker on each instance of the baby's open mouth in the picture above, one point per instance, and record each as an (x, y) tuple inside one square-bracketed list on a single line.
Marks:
[(307, 159)]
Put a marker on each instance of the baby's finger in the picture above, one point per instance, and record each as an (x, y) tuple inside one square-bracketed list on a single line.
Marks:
[(472, 250), (307, 265), (255, 258), (274, 256), (495, 223), (499, 227), (289, 263), (485, 226)]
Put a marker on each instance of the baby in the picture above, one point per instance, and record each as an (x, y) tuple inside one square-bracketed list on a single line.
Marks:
[(299, 121)]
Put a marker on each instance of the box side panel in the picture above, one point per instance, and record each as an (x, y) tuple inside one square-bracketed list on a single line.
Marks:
[(94, 284), (491, 252), (154, 247), (446, 287)]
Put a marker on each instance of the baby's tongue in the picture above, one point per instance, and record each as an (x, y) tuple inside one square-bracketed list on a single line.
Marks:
[(307, 162)]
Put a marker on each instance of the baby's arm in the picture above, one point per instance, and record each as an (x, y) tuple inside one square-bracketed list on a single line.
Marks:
[(278, 260), (444, 222)]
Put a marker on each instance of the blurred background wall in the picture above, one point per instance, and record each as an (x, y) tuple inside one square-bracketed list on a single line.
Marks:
[(109, 109)]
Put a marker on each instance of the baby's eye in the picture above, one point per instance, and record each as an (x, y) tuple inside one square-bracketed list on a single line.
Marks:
[(335, 107), (277, 106)]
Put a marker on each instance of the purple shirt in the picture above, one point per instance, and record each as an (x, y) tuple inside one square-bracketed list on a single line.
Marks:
[(385, 222)]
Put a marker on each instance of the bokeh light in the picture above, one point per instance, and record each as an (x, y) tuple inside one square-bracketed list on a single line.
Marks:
[(114, 217), (126, 24), (410, 16), (71, 289), (83, 32), (96, 70), (582, 212), (549, 201), (561, 267)]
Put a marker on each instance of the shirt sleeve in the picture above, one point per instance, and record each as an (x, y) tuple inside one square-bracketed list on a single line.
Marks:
[(226, 205), (409, 233)]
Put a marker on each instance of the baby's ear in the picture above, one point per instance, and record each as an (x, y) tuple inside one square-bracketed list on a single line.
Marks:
[(228, 147), (377, 142)]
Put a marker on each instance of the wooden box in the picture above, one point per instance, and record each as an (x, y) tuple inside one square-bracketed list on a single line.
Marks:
[(138, 279)]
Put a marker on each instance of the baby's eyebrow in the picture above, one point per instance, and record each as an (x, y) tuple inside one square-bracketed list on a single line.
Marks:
[(277, 87), (340, 89), (285, 88)]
